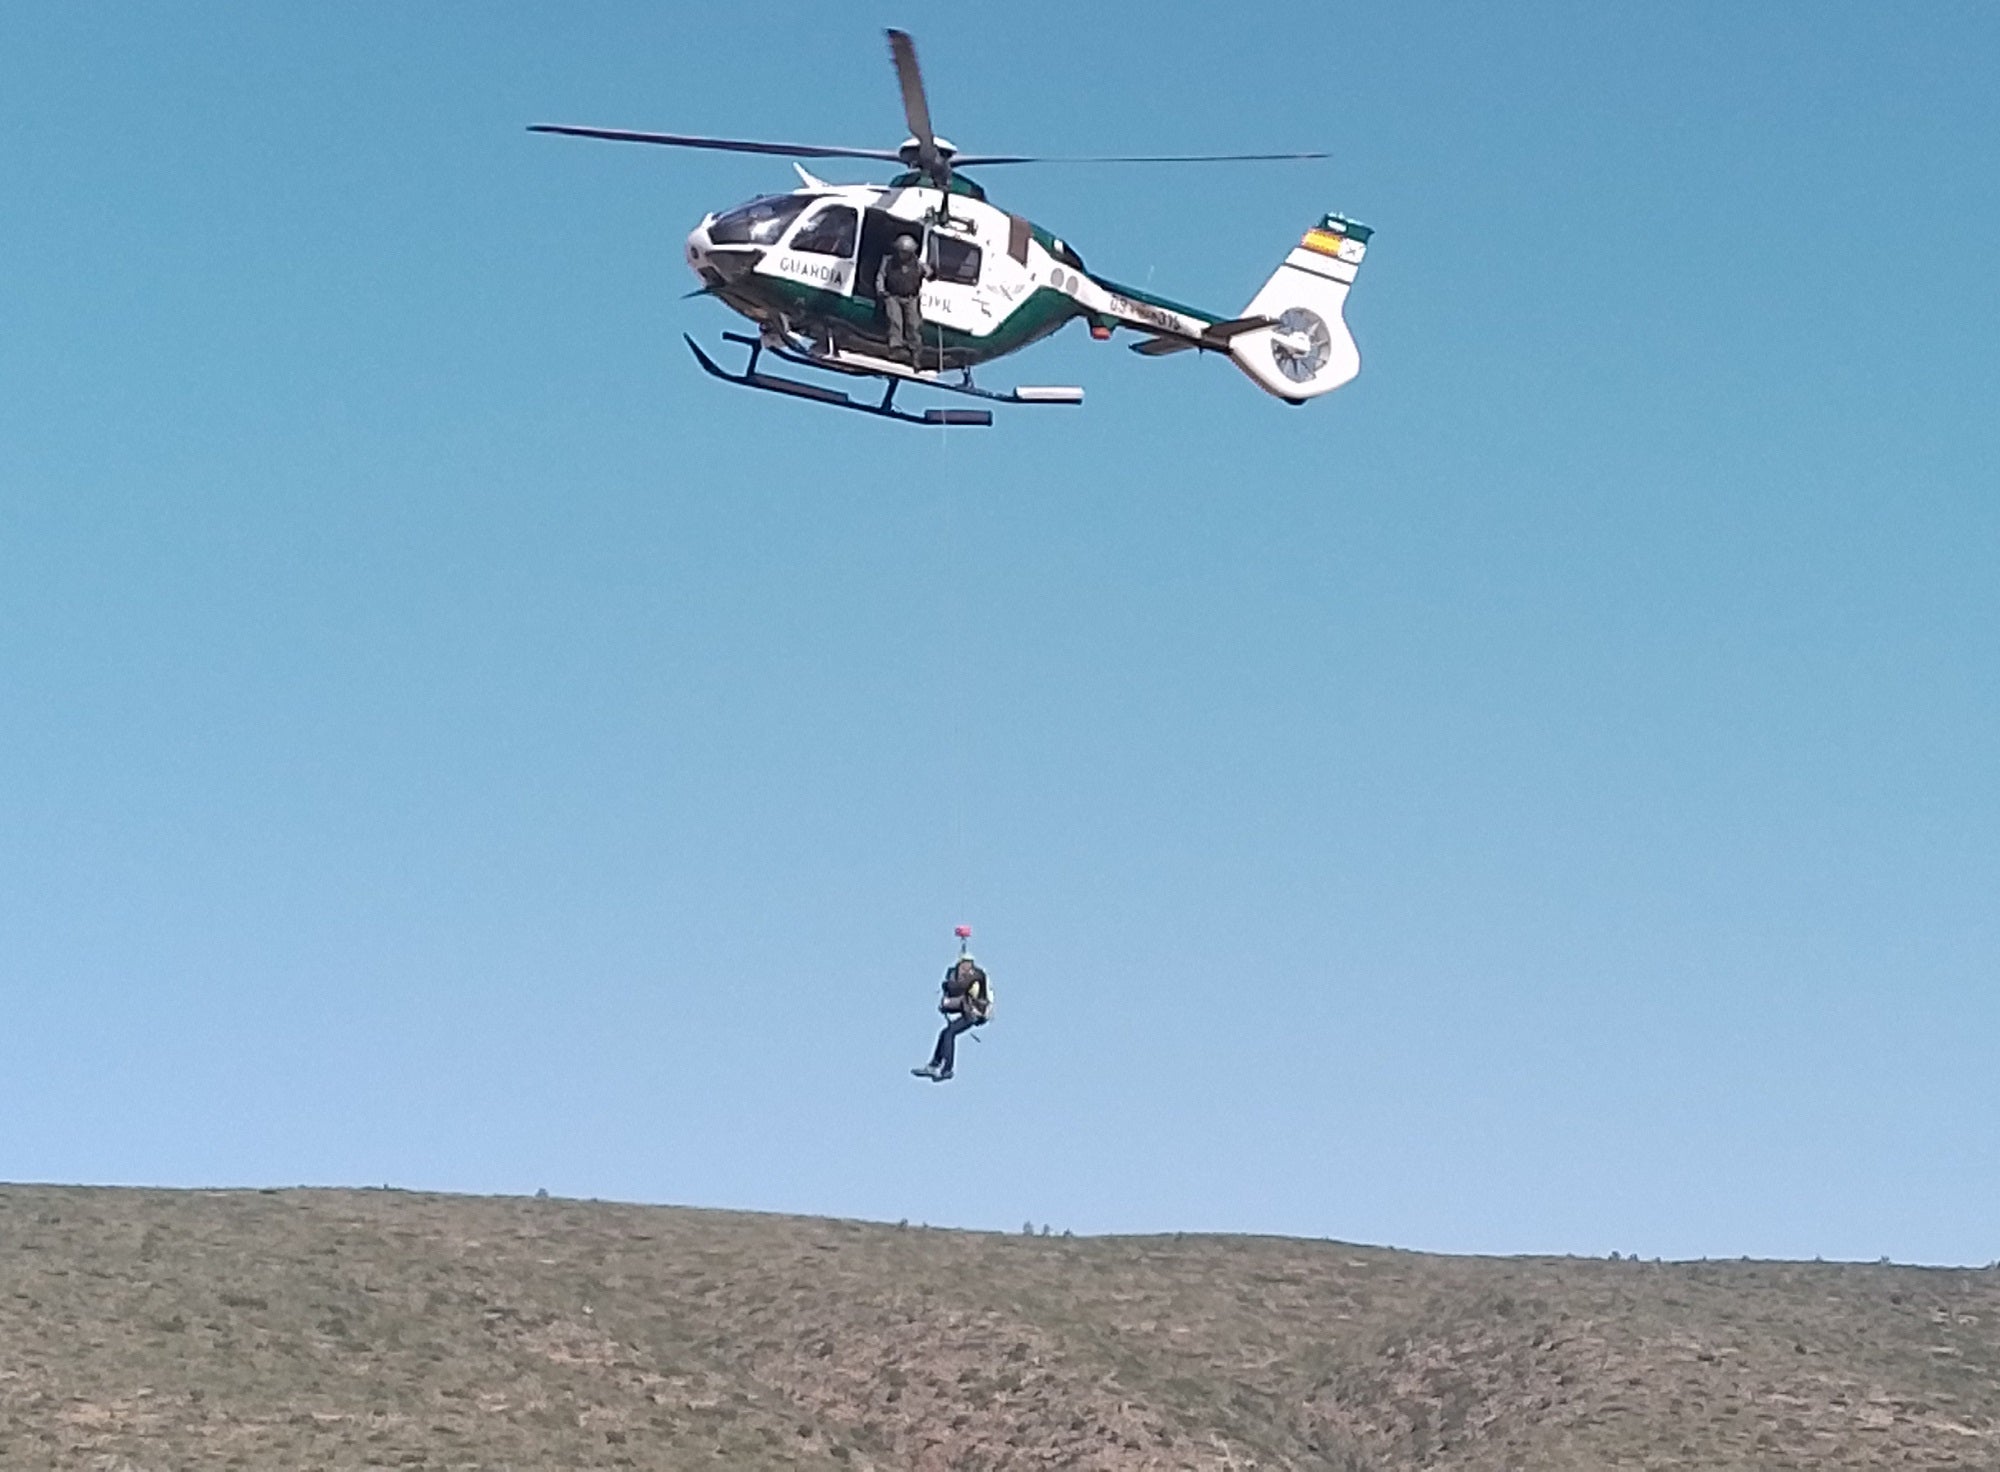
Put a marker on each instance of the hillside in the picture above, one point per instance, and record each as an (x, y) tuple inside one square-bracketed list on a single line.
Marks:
[(292, 1329)]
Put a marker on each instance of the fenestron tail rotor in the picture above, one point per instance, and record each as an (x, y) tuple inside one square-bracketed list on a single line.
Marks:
[(924, 153)]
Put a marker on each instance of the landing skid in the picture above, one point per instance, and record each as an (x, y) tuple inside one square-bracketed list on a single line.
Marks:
[(857, 365)]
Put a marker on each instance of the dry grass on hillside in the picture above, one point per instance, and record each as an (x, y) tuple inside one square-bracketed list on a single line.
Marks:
[(309, 1329)]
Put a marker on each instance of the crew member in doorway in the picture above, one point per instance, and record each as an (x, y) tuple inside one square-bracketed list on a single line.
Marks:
[(967, 1003), (899, 283)]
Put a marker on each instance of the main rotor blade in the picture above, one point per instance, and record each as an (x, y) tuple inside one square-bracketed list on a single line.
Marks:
[(916, 106), (725, 145), (987, 160)]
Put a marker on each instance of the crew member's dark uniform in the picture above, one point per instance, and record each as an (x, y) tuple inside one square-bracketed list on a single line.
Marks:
[(899, 283)]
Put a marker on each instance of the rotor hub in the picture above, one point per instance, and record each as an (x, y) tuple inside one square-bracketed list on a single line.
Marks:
[(912, 150)]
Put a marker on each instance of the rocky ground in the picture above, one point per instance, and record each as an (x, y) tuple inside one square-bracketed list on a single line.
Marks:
[(318, 1329)]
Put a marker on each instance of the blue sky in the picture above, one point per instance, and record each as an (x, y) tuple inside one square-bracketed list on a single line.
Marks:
[(1545, 797)]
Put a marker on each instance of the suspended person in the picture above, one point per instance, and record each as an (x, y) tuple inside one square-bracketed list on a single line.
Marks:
[(899, 283), (967, 1003)]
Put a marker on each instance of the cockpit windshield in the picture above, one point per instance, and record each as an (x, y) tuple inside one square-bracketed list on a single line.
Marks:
[(759, 222)]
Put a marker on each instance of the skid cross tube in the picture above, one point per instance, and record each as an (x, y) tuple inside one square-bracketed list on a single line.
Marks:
[(857, 366), (751, 377)]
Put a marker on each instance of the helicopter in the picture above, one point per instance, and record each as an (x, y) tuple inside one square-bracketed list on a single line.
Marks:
[(803, 267)]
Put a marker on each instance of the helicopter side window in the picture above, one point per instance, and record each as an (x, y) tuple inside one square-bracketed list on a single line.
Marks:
[(759, 222), (954, 261), (829, 233)]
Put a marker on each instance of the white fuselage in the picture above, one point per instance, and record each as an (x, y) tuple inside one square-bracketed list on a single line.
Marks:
[(806, 263)]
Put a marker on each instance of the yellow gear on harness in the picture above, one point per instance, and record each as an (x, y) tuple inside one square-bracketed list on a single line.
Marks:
[(974, 997)]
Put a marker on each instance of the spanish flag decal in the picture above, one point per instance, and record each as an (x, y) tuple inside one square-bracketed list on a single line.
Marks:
[(1325, 242)]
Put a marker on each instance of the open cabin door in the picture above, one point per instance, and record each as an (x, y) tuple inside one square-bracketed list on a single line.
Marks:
[(879, 230)]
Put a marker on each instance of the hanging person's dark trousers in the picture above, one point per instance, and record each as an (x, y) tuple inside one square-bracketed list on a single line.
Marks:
[(946, 1051)]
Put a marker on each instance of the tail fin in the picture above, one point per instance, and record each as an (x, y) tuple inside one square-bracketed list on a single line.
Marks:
[(1308, 350)]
